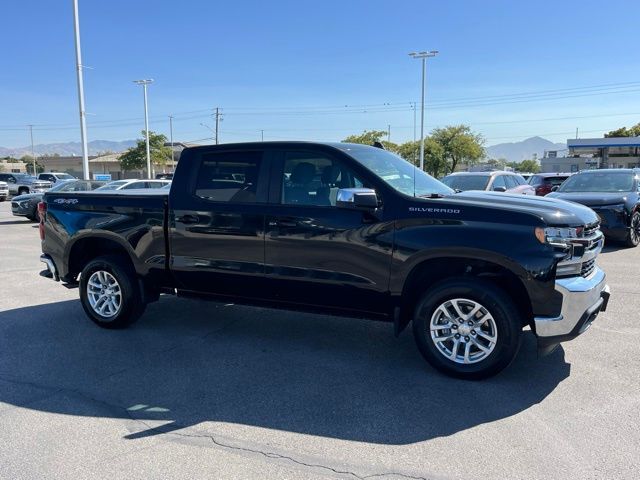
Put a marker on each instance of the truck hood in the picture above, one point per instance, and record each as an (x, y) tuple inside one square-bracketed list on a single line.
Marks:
[(552, 211), (593, 199)]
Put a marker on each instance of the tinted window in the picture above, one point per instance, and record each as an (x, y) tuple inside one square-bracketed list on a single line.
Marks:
[(520, 180), (155, 184), (498, 181), (135, 185), (553, 181), (466, 182), (599, 182), (229, 176), (314, 179), (510, 180)]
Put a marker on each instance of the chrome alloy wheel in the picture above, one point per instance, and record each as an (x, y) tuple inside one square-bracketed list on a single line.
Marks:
[(463, 331), (104, 294), (634, 232)]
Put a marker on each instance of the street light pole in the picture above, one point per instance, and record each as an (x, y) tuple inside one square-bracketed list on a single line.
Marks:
[(83, 120), (423, 56), (171, 139), (144, 84), (33, 151)]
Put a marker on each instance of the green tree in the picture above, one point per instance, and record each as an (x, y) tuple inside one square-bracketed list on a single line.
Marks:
[(460, 144), (625, 132), (528, 166), (369, 137), (28, 161), (136, 157)]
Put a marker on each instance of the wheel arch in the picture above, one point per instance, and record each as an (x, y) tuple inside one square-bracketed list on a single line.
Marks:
[(429, 271), (87, 247)]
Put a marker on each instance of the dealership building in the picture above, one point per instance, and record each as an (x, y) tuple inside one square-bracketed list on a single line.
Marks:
[(590, 153)]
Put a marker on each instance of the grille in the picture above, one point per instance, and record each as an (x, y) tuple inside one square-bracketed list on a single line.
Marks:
[(590, 229), (14, 204), (588, 267)]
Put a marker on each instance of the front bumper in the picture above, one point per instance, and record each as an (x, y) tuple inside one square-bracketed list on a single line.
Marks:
[(20, 210), (582, 300)]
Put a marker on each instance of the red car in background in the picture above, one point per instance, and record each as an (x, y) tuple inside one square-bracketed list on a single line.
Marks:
[(544, 182)]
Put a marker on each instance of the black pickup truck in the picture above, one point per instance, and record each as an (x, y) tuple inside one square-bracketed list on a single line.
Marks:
[(339, 228)]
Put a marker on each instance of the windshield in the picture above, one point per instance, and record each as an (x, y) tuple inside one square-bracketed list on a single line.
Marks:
[(466, 182), (21, 177), (599, 182), (65, 176), (77, 186), (113, 185), (397, 172)]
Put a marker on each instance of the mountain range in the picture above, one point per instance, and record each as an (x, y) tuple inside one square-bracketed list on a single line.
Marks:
[(518, 151), (513, 152), (69, 149)]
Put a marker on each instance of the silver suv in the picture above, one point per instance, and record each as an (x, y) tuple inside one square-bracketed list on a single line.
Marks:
[(21, 183), (4, 191)]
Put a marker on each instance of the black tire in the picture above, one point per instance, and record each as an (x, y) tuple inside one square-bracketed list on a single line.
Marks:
[(505, 320), (633, 237), (33, 216), (131, 305)]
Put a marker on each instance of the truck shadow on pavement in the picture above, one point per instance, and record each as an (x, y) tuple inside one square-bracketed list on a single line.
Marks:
[(187, 362)]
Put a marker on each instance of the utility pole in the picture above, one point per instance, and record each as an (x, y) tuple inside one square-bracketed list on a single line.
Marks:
[(217, 116), (576, 133), (262, 135), (144, 84), (83, 120), (388, 132), (171, 138), (423, 56), (33, 151)]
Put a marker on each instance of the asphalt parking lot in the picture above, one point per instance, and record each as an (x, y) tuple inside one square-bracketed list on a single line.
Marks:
[(207, 390)]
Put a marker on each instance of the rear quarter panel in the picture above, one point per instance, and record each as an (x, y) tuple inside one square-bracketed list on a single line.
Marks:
[(136, 222)]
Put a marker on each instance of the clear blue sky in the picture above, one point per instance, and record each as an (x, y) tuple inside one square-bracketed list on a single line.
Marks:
[(290, 67)]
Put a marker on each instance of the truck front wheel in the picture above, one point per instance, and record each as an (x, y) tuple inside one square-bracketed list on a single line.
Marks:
[(109, 292), (467, 328)]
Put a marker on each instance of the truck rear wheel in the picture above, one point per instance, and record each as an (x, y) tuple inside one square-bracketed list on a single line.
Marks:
[(109, 292), (467, 328)]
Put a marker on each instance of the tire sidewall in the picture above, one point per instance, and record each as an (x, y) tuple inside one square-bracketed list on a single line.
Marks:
[(630, 242), (131, 298), (504, 313)]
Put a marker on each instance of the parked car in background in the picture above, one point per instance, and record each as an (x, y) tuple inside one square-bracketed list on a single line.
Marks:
[(27, 205), (134, 184), (4, 191), (164, 176), (21, 183), (55, 177), (614, 194), (543, 183), (496, 181)]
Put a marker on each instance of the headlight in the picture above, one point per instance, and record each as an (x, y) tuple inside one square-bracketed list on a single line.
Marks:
[(24, 204), (560, 235)]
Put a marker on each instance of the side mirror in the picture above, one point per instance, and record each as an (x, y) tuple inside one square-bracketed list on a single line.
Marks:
[(500, 189), (357, 198), (554, 188)]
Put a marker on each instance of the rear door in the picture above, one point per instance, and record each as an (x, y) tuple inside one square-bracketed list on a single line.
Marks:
[(216, 222), (319, 254)]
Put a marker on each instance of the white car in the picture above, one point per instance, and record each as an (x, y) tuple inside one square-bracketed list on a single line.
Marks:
[(55, 177), (133, 184), (4, 191)]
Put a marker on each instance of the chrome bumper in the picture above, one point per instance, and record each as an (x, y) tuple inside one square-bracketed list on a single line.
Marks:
[(51, 271), (582, 300)]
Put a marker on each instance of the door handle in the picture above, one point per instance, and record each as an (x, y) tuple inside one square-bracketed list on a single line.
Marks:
[(283, 223), (188, 219)]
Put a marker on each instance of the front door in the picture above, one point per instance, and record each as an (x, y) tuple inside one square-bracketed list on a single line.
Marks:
[(317, 253), (217, 222)]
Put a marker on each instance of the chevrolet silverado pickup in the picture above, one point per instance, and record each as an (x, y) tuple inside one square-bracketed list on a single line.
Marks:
[(336, 228)]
